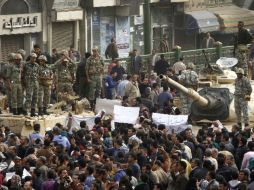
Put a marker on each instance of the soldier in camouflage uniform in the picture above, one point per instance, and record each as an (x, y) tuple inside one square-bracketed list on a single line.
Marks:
[(242, 94), (242, 39), (189, 79), (64, 70), (45, 82), (94, 71), (4, 75), (31, 72), (14, 76)]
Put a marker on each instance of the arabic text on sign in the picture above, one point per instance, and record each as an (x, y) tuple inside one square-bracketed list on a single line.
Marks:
[(20, 23)]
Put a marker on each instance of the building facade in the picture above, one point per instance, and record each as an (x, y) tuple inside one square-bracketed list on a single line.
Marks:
[(20, 25)]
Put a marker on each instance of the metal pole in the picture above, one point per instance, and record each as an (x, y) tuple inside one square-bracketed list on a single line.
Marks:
[(147, 27)]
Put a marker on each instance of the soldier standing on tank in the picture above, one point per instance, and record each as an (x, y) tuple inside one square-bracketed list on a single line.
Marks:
[(45, 82), (64, 70), (94, 71), (4, 72), (14, 80), (242, 94), (31, 72), (189, 79)]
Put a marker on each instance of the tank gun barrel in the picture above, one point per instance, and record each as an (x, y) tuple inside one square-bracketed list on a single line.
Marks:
[(187, 91)]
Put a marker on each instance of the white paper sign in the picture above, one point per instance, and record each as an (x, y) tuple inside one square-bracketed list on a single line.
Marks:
[(176, 122), (76, 119), (25, 173), (9, 175), (107, 105), (126, 114)]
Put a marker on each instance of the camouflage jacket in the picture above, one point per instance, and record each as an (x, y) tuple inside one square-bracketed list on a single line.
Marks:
[(14, 73), (63, 72), (31, 72), (242, 87), (95, 66)]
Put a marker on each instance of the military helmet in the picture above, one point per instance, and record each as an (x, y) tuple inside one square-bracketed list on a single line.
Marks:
[(240, 71), (33, 55), (190, 65), (22, 52), (43, 57), (11, 56), (18, 56)]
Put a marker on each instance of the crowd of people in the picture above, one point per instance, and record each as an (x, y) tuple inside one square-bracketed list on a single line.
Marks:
[(144, 156)]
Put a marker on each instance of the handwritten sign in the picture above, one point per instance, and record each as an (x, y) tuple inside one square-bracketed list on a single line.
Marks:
[(176, 122), (126, 114), (20, 23)]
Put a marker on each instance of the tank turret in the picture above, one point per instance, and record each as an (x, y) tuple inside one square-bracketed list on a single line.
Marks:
[(208, 103)]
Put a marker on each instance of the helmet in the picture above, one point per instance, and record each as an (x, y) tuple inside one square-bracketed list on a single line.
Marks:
[(22, 52), (190, 65), (43, 57), (240, 71), (18, 56), (11, 56), (33, 55)]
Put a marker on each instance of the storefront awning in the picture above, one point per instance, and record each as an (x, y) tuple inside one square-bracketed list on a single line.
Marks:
[(201, 21), (229, 16)]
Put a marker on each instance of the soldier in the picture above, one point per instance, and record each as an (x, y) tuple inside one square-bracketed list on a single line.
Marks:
[(22, 52), (189, 79), (14, 76), (4, 75), (242, 39), (45, 82), (94, 71), (242, 94), (64, 70), (31, 72)]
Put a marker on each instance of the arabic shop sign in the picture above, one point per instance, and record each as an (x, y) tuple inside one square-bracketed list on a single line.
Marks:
[(20, 23)]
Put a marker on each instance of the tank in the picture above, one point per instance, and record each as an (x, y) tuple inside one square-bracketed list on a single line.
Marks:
[(208, 103)]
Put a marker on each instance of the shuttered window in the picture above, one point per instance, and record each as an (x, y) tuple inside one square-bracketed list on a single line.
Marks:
[(10, 44), (62, 35)]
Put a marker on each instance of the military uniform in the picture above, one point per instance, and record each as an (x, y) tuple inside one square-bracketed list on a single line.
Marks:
[(31, 73), (242, 88), (45, 83), (14, 76), (95, 67), (64, 74), (189, 79), (242, 52)]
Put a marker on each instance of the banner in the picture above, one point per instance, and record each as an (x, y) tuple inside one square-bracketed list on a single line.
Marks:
[(106, 105), (126, 114), (76, 119), (178, 123)]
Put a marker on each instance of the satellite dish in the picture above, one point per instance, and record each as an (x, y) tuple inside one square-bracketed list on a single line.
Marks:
[(227, 62)]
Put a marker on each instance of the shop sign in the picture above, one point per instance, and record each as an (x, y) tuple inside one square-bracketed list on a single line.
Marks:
[(20, 23), (63, 4)]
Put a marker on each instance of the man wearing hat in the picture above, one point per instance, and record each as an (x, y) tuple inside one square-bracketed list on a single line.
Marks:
[(189, 79), (64, 70), (45, 83), (31, 73), (14, 84), (242, 94), (94, 69)]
